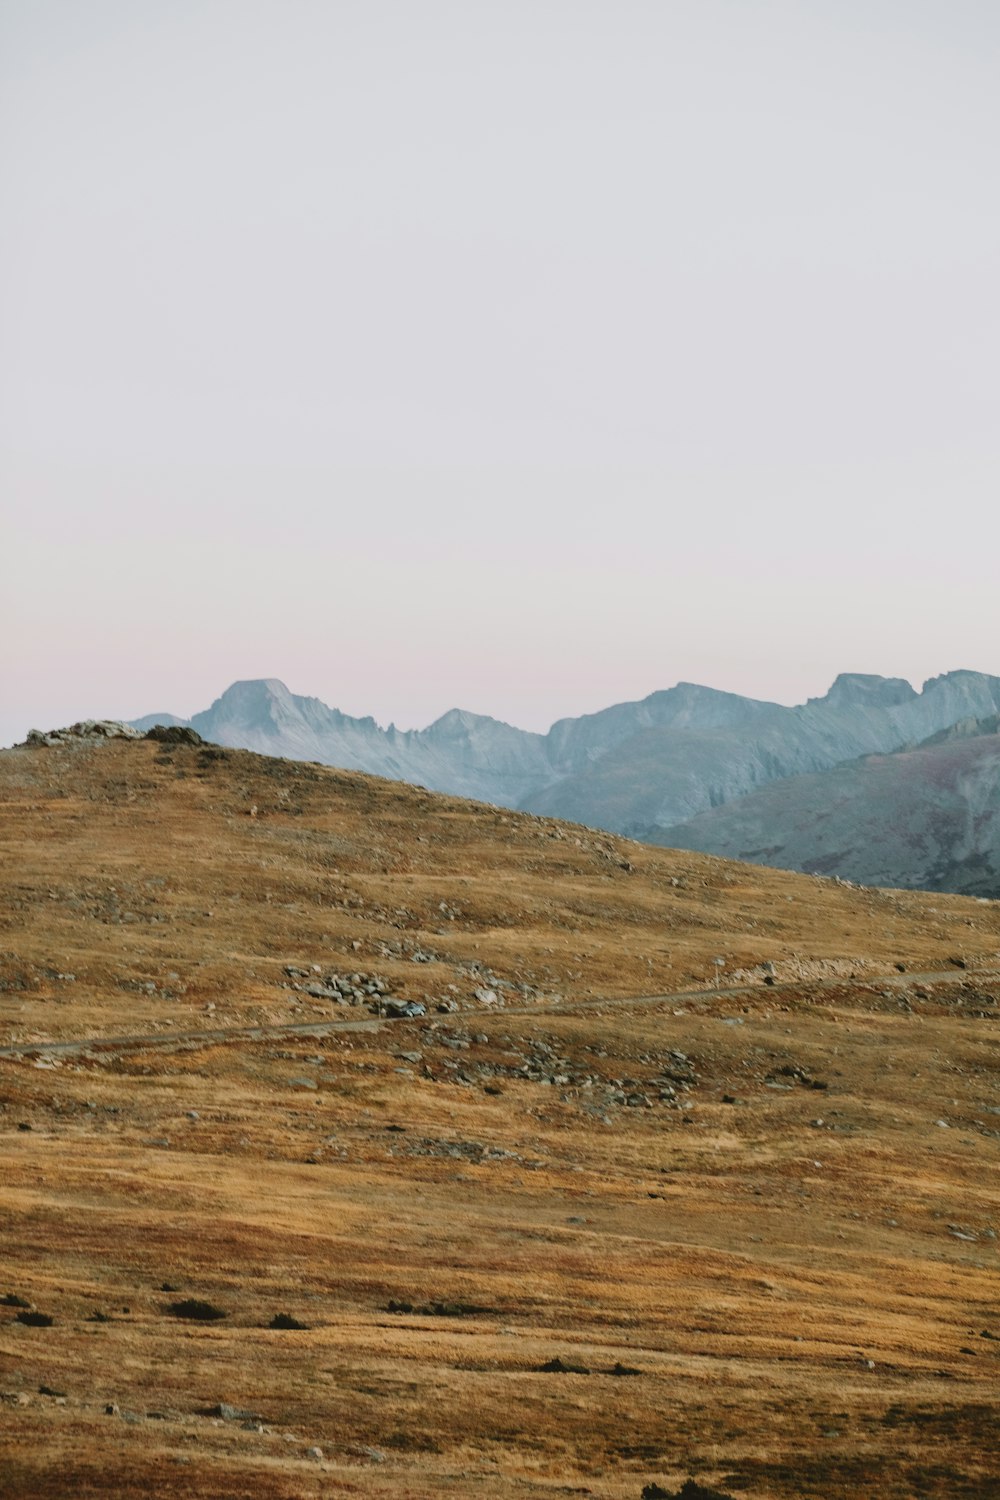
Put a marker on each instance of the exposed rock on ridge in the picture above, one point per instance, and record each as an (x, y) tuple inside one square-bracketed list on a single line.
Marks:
[(86, 729)]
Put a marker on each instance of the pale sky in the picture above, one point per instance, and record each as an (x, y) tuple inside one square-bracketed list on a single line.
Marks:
[(521, 355)]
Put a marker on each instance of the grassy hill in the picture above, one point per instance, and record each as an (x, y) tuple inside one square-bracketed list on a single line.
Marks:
[(728, 1129)]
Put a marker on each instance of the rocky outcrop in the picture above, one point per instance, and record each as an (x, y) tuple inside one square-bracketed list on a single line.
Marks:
[(174, 734), (87, 729)]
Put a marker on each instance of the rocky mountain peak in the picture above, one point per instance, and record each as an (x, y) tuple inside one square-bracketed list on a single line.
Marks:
[(457, 723), (262, 703), (635, 767), (867, 690)]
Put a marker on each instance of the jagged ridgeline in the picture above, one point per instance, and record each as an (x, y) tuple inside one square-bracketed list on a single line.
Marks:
[(696, 768)]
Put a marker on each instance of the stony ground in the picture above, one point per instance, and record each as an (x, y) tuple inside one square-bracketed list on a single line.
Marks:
[(687, 1169)]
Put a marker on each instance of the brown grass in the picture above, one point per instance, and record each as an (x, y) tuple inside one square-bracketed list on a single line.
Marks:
[(749, 1259)]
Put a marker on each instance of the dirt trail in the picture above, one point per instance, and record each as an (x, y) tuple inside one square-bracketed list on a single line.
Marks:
[(176, 1039)]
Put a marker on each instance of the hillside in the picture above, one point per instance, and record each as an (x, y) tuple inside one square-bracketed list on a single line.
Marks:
[(927, 818), (687, 1168), (635, 768)]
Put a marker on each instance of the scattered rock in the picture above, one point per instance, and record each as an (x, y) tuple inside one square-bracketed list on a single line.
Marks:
[(403, 1009), (559, 1366), (13, 1300), (35, 1319), (233, 1413), (46, 1390), (87, 729)]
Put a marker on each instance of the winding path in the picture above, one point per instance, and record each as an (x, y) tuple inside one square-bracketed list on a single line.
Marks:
[(176, 1039)]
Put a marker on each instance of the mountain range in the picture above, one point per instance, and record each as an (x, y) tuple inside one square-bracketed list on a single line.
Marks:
[(697, 768)]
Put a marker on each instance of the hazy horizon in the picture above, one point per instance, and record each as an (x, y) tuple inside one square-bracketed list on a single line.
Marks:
[(524, 359), (540, 726)]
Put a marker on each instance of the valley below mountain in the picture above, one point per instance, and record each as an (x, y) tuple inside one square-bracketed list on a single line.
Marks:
[(357, 1139)]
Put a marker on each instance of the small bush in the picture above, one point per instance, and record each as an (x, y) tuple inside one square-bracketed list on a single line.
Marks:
[(284, 1320), (204, 1312)]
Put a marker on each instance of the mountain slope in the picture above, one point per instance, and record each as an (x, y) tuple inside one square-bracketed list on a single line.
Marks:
[(630, 768), (462, 753), (665, 776), (688, 1168), (644, 768), (927, 818), (466, 754)]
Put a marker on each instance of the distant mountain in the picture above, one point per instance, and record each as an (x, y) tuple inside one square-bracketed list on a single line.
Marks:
[(927, 818), (148, 721), (467, 754), (645, 768), (659, 777)]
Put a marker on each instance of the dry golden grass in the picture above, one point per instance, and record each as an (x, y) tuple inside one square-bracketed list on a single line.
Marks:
[(802, 1277)]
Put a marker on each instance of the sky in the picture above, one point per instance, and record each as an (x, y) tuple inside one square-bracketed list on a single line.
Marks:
[(520, 355)]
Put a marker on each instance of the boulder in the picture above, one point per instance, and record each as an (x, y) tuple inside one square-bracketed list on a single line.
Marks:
[(86, 729), (174, 734)]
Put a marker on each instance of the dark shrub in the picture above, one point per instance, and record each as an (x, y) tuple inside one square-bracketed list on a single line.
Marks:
[(204, 1312), (284, 1320)]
